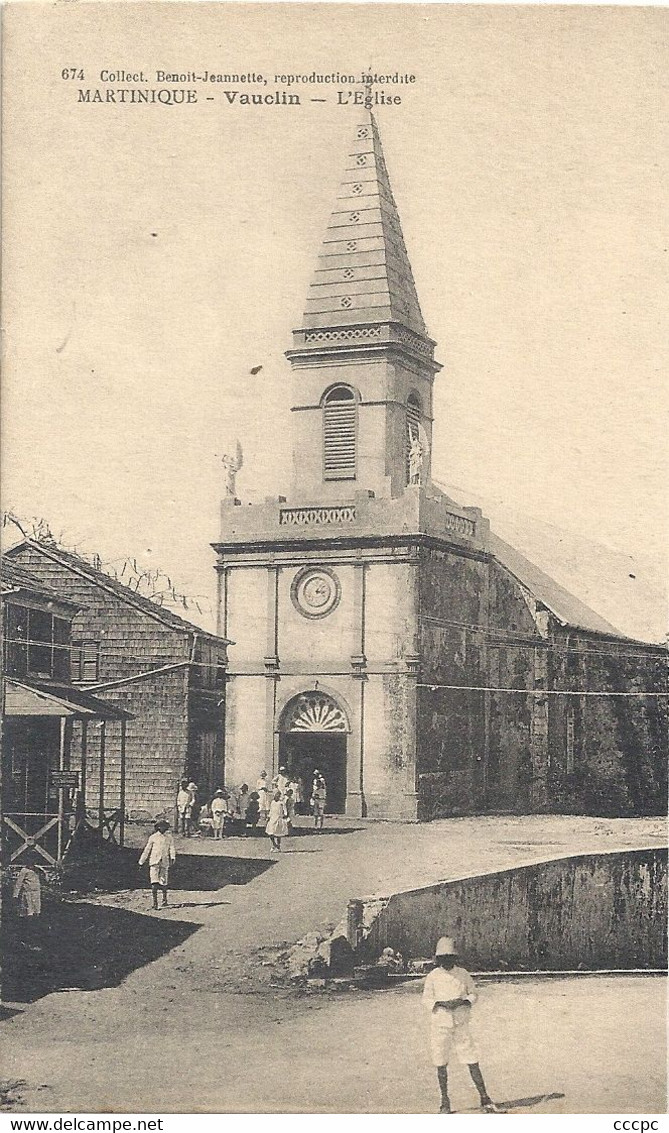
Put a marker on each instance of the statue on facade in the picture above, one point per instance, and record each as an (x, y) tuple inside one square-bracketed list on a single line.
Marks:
[(232, 462), (416, 455)]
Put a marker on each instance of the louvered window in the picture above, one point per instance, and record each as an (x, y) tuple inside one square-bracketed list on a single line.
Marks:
[(413, 427), (86, 661), (339, 434)]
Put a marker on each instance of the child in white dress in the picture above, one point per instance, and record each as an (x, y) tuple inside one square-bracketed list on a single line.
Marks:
[(277, 825)]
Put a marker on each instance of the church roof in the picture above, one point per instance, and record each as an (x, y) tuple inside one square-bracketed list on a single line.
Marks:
[(569, 609), (363, 273)]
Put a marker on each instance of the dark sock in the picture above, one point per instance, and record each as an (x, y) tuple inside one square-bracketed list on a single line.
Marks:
[(154, 890), (442, 1075), (164, 894), (477, 1078)]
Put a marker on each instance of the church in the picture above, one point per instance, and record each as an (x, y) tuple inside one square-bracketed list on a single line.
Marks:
[(383, 634)]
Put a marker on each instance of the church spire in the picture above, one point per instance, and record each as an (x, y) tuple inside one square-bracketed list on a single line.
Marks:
[(363, 273), (363, 364)]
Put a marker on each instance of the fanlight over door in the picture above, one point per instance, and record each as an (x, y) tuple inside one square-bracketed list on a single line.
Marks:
[(315, 712)]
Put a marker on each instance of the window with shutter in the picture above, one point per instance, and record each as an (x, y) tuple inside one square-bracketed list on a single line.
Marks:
[(413, 427), (86, 661), (340, 426)]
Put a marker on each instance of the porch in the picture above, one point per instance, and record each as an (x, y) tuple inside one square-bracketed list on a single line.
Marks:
[(44, 796)]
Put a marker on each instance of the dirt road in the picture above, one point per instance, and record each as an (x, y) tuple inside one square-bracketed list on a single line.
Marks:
[(167, 988)]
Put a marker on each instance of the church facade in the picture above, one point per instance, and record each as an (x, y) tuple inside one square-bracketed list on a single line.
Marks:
[(383, 634)]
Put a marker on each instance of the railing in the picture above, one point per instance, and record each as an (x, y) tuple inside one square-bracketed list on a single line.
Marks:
[(315, 516), (33, 840), (459, 523), (54, 832)]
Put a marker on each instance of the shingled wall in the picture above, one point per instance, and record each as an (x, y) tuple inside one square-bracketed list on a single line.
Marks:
[(131, 642)]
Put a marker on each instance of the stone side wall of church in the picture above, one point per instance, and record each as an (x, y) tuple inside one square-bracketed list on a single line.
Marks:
[(511, 750), (608, 754), (477, 750), (450, 723)]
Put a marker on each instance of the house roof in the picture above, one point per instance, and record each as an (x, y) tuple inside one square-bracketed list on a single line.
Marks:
[(14, 578), (138, 601), (32, 698)]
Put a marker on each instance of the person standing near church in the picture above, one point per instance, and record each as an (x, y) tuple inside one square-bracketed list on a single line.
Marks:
[(243, 798), (219, 808), (318, 799), (448, 995), (277, 825), (289, 806), (297, 787), (160, 853), (262, 787), (183, 808)]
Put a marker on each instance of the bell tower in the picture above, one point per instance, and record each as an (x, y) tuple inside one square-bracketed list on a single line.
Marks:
[(363, 364), (322, 588)]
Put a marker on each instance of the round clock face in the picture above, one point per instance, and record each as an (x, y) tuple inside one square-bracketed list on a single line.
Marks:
[(315, 592)]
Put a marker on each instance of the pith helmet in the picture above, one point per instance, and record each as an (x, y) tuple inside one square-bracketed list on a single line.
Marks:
[(446, 947)]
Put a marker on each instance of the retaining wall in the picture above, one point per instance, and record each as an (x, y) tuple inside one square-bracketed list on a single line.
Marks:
[(596, 911)]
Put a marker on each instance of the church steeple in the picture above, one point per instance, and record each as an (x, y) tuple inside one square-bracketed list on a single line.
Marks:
[(363, 272), (362, 360)]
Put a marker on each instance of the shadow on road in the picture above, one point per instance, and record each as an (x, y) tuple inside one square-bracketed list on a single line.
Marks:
[(82, 946), (197, 904), (116, 868), (309, 831), (200, 871), (528, 1103)]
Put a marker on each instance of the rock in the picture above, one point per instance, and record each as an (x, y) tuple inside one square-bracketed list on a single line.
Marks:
[(311, 940), (336, 954)]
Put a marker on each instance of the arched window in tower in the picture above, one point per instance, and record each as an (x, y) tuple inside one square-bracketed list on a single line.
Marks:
[(340, 426), (412, 430)]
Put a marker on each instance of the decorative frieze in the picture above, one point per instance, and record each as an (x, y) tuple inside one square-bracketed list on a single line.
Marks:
[(413, 340), (315, 516), (459, 524), (352, 335)]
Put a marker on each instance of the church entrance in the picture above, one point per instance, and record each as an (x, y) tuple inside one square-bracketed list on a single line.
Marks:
[(313, 735)]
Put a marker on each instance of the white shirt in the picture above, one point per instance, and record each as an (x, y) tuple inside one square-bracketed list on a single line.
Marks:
[(441, 986), (184, 800), (159, 850)]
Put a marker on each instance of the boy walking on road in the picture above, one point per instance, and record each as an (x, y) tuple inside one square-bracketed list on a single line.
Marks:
[(159, 852), (448, 995)]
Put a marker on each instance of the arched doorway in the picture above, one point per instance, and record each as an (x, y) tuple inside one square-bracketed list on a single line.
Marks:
[(312, 734)]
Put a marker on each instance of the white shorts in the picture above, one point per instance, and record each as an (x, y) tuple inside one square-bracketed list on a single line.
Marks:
[(158, 874), (449, 1034)]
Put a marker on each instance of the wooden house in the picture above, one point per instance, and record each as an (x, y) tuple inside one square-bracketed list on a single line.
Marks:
[(165, 672), (43, 795)]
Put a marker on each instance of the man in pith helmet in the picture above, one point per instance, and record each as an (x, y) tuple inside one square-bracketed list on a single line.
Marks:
[(449, 995)]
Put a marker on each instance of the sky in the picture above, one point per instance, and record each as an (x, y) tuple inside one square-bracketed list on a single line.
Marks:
[(154, 255)]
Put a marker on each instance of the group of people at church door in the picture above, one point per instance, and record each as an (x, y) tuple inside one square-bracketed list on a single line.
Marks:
[(283, 797)]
